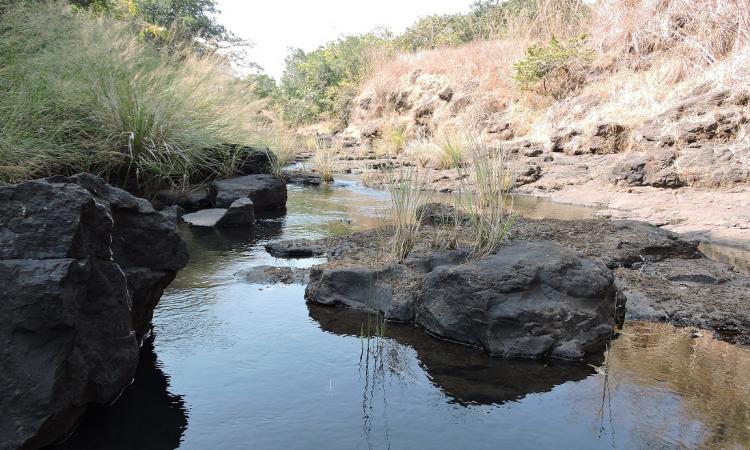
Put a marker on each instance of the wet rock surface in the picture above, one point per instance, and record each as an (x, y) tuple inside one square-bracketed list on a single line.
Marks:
[(658, 274), (531, 299), (275, 275), (266, 191), (695, 292), (82, 265), (299, 248), (303, 178)]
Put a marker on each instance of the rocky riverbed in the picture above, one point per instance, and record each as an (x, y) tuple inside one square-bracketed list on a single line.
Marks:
[(557, 288)]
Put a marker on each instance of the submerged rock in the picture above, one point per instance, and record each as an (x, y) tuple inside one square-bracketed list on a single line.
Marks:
[(82, 265), (303, 178), (275, 275), (266, 191), (296, 248)]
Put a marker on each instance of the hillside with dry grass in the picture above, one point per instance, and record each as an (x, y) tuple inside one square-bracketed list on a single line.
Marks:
[(619, 98)]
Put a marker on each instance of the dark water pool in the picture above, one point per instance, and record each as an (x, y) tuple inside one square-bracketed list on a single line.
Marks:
[(233, 365)]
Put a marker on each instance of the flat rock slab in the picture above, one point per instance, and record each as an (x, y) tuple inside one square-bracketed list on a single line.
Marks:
[(296, 248), (241, 213), (694, 292), (266, 191), (275, 275), (205, 217)]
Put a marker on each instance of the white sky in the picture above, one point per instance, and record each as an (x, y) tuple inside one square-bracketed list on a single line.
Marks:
[(276, 25)]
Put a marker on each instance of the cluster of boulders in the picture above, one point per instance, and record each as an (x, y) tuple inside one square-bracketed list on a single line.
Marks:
[(230, 202), (82, 267)]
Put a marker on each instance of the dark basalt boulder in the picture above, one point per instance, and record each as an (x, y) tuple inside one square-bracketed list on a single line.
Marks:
[(435, 213), (653, 169), (531, 299), (82, 266), (266, 191)]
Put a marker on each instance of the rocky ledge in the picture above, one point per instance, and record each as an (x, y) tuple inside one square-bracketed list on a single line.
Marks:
[(558, 288), (82, 266)]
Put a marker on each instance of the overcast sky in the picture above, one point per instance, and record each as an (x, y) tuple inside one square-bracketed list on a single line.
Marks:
[(276, 25)]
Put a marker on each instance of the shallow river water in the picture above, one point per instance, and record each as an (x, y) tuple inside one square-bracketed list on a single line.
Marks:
[(233, 365)]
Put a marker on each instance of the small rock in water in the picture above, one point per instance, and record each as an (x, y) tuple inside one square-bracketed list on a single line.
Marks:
[(241, 213)]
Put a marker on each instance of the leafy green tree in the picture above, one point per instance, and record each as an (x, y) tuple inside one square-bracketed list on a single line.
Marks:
[(263, 85), (323, 81)]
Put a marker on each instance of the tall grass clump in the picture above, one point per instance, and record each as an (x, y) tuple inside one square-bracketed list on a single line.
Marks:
[(82, 92), (490, 208), (407, 193), (452, 150), (324, 160), (285, 147)]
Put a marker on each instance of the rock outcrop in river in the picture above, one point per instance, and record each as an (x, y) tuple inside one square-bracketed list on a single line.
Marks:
[(530, 299), (556, 289), (82, 266)]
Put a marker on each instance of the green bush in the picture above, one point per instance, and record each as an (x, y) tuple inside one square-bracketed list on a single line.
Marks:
[(436, 31), (322, 83), (83, 93), (554, 69)]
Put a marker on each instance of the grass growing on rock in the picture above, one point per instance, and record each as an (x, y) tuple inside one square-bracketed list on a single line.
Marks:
[(491, 207), (407, 194), (482, 208), (82, 92)]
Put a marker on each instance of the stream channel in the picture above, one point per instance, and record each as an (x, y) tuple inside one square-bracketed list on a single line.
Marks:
[(235, 365)]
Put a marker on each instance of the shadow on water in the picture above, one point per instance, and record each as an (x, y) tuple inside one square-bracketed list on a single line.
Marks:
[(466, 376), (146, 417)]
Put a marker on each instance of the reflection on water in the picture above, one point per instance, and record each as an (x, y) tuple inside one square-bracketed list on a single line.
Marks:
[(466, 376), (710, 378), (147, 416), (253, 366)]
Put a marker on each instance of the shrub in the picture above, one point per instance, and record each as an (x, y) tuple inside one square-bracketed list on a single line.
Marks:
[(491, 206), (452, 150), (84, 93), (554, 69)]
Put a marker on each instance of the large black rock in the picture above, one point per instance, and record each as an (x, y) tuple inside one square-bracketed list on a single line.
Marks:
[(266, 191), (82, 266), (531, 299)]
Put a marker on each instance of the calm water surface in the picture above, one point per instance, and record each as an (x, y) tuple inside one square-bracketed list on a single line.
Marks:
[(233, 365)]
